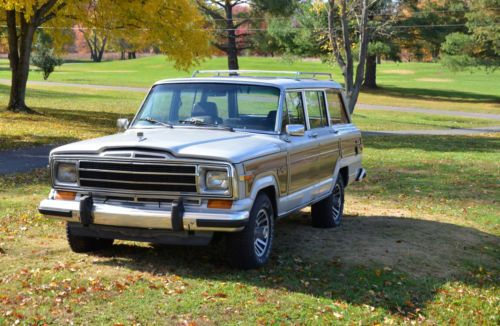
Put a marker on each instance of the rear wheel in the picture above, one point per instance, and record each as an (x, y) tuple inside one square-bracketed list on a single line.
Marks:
[(82, 244), (251, 247), (328, 212)]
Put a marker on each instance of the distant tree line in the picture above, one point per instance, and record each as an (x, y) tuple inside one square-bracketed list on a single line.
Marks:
[(356, 35)]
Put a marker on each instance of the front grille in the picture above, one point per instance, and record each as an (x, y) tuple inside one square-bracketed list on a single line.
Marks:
[(138, 177)]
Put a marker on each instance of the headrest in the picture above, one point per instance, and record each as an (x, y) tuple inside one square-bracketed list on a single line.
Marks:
[(205, 108)]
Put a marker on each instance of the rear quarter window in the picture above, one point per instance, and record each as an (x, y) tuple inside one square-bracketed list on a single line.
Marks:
[(336, 108)]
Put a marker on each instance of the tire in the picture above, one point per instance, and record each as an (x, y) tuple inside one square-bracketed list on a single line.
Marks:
[(81, 244), (251, 247), (328, 212)]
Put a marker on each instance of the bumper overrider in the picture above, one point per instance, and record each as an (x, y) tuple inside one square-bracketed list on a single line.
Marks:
[(176, 217)]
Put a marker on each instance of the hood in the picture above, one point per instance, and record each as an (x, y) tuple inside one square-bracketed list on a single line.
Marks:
[(183, 142)]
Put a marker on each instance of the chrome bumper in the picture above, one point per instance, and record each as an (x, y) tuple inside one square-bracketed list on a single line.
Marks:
[(361, 174), (148, 218)]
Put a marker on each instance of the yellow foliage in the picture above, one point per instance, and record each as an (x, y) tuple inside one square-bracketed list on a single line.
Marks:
[(175, 26)]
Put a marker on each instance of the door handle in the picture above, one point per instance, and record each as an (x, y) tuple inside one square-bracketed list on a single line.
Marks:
[(333, 131), (314, 135)]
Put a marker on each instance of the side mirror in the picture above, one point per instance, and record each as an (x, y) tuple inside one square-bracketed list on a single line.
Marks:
[(295, 130), (122, 124)]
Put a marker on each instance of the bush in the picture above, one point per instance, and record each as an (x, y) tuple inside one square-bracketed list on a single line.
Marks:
[(44, 57)]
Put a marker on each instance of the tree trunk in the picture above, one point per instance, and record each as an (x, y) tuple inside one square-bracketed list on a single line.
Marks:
[(96, 47), (101, 50), (20, 45), (19, 56), (122, 55), (232, 49), (341, 47), (371, 72)]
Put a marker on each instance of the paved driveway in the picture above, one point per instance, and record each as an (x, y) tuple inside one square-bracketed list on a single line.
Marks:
[(23, 160)]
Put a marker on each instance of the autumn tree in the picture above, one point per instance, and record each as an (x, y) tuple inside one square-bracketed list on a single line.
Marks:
[(227, 21), (427, 22), (174, 25), (479, 46), (302, 34), (348, 23)]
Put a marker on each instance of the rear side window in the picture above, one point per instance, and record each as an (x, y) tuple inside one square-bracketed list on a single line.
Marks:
[(316, 109), (336, 108)]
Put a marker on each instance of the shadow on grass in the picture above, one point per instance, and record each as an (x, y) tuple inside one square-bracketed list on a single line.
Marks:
[(394, 263), (432, 143), (433, 94)]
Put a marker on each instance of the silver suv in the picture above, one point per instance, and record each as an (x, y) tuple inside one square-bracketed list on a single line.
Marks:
[(226, 154)]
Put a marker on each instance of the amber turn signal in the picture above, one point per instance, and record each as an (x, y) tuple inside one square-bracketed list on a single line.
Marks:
[(219, 203), (65, 195)]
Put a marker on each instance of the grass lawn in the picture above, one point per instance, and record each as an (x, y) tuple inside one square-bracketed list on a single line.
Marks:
[(70, 114), (426, 85), (66, 115), (416, 247)]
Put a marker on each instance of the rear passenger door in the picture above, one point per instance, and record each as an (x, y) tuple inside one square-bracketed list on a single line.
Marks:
[(327, 151), (302, 150)]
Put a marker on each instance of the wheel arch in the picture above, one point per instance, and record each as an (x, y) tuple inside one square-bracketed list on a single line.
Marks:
[(269, 186)]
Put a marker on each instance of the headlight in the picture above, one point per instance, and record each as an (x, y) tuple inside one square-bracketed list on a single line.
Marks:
[(217, 180), (66, 172)]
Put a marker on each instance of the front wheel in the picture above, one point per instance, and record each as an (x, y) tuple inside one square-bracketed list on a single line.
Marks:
[(251, 247), (81, 244), (328, 212)]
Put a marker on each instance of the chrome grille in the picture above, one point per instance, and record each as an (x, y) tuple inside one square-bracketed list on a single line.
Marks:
[(138, 176)]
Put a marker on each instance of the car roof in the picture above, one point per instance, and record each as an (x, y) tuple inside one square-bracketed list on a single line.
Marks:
[(280, 82)]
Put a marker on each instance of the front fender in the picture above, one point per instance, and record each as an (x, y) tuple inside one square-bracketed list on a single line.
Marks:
[(261, 182)]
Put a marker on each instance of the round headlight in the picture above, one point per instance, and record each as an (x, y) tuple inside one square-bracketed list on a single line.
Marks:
[(66, 172), (217, 180)]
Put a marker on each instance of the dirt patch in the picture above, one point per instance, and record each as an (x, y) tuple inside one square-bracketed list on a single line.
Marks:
[(398, 72), (435, 80), (415, 246)]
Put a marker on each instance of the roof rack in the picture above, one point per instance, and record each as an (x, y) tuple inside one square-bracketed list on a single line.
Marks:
[(277, 73)]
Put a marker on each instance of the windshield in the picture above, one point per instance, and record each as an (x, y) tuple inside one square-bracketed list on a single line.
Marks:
[(204, 104)]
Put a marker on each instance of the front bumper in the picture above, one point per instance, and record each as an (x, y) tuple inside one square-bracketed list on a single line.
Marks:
[(137, 216)]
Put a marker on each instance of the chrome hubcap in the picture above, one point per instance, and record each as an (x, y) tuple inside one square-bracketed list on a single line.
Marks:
[(336, 202), (262, 233)]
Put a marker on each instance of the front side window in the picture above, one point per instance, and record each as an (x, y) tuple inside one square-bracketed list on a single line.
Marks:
[(214, 104), (293, 111), (336, 108), (316, 109)]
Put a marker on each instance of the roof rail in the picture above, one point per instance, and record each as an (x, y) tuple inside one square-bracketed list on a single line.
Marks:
[(277, 73)]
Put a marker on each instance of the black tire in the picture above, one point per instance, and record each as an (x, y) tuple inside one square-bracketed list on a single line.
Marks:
[(245, 249), (328, 212), (82, 244)]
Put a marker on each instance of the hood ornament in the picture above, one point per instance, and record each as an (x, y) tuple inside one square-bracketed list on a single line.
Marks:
[(140, 135)]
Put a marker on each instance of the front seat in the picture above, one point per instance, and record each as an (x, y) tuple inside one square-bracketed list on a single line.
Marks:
[(208, 111), (271, 119)]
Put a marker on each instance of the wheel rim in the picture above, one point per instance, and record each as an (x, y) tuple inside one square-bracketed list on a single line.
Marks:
[(336, 202), (262, 233)]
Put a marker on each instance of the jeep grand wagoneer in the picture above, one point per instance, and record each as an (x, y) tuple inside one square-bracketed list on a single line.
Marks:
[(226, 154)]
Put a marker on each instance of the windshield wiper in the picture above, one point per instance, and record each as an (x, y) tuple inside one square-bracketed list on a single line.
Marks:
[(201, 122), (194, 121), (151, 120)]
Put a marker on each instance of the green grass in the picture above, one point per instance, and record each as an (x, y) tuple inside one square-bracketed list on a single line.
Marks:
[(384, 120), (416, 247), (69, 114), (66, 115), (426, 85)]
